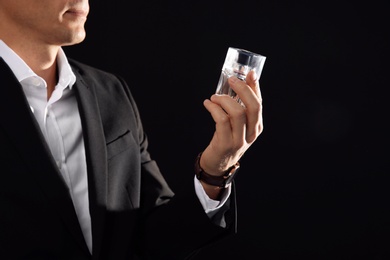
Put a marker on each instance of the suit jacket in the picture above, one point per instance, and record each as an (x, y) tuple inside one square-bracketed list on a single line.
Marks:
[(134, 213)]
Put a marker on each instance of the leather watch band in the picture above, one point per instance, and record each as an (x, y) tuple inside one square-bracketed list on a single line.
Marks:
[(220, 181)]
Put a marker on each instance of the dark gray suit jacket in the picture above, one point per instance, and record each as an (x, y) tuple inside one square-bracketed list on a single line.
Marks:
[(134, 213)]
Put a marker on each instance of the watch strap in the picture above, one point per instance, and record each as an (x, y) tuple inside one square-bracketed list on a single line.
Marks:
[(219, 181)]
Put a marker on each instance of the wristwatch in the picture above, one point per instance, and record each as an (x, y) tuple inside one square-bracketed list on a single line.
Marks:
[(220, 181)]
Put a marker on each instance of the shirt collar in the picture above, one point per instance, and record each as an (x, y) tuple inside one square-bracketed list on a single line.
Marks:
[(22, 70)]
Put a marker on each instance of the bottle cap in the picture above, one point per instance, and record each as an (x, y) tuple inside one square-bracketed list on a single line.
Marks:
[(252, 60)]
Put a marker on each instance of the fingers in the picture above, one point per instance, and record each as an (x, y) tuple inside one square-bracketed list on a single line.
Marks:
[(253, 81), (250, 94), (230, 121), (237, 126)]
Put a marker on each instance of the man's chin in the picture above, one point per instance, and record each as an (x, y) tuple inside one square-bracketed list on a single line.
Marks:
[(75, 40)]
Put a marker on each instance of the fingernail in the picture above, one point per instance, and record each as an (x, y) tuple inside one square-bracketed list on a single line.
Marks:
[(233, 79), (254, 76)]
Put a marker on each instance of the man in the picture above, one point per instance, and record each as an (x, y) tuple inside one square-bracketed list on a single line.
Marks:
[(77, 179)]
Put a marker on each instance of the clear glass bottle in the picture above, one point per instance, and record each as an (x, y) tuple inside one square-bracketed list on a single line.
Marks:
[(238, 62)]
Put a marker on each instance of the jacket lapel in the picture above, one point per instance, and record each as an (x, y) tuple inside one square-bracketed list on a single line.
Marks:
[(96, 155), (24, 132)]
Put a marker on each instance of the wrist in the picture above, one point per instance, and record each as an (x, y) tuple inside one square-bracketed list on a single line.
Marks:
[(221, 181)]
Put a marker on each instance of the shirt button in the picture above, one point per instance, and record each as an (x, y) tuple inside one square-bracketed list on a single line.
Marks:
[(59, 165), (36, 82)]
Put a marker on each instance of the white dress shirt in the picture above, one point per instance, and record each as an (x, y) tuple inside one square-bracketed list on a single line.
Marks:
[(60, 124)]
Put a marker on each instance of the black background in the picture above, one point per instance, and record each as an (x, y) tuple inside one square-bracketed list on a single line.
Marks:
[(324, 87)]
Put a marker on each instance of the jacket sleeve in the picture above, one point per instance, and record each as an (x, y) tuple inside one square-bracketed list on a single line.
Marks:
[(176, 225)]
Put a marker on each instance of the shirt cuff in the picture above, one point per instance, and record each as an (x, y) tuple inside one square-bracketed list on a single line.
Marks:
[(209, 205)]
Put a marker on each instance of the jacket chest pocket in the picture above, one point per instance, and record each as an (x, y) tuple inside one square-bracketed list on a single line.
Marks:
[(120, 144)]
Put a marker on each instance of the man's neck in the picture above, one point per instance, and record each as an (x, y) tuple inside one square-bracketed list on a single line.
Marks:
[(42, 59)]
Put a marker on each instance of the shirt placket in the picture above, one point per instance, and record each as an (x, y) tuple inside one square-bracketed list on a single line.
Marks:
[(54, 135)]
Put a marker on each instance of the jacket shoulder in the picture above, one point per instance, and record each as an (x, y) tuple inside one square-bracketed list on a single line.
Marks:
[(86, 70)]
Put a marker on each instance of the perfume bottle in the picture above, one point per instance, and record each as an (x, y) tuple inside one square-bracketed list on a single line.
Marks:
[(239, 63)]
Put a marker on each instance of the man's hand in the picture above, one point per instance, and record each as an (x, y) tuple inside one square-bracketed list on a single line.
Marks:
[(236, 126)]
